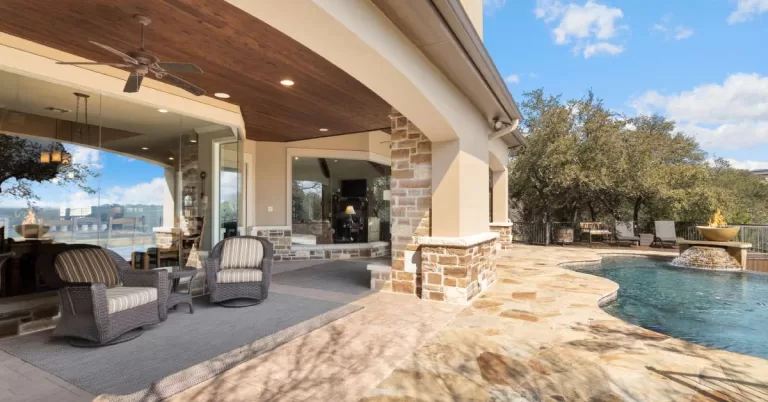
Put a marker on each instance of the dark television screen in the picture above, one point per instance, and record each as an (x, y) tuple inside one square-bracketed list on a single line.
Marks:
[(353, 188)]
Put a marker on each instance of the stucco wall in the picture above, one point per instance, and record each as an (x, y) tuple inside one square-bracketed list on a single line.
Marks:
[(271, 160)]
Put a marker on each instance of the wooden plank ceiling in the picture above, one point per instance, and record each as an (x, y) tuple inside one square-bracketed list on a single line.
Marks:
[(239, 54)]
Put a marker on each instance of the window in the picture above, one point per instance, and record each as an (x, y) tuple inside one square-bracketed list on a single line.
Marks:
[(339, 201)]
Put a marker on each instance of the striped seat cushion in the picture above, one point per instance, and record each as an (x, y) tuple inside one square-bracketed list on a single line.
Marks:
[(89, 265), (123, 298), (241, 253), (238, 276)]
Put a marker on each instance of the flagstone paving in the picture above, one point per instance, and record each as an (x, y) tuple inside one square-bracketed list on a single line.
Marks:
[(538, 334)]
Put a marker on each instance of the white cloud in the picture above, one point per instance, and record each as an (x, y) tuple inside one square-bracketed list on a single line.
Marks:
[(85, 156), (512, 79), (744, 165), (148, 193), (602, 47), (582, 25), (678, 32), (491, 6), (683, 32), (731, 115), (746, 9)]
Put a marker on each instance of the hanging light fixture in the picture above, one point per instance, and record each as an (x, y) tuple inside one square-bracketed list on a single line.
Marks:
[(62, 156)]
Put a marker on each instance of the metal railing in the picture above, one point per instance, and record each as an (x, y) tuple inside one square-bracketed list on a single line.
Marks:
[(554, 233)]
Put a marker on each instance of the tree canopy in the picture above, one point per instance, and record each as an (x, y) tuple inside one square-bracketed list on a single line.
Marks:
[(584, 162), (20, 166)]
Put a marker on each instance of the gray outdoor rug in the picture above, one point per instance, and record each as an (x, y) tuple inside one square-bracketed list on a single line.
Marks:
[(183, 351), (351, 277)]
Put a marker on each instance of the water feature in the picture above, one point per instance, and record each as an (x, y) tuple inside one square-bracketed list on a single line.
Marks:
[(707, 258), (722, 310)]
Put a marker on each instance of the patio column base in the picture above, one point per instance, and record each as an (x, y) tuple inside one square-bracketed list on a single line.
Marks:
[(456, 269), (504, 229)]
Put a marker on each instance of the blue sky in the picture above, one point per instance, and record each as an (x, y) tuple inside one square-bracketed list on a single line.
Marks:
[(702, 63), (120, 180)]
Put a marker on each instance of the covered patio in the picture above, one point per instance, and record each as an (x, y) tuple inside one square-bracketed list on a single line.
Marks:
[(307, 335), (359, 142)]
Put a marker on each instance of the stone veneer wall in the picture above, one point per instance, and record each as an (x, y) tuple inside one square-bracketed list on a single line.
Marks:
[(505, 234), (456, 274), (281, 238), (411, 202)]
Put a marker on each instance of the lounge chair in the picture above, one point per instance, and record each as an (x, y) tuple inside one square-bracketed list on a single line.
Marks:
[(665, 233), (239, 270), (103, 300), (625, 233)]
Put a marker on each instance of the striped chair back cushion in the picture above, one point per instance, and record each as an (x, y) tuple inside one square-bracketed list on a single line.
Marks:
[(88, 265), (241, 253)]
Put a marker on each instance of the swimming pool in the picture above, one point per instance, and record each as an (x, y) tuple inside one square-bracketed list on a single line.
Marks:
[(722, 310)]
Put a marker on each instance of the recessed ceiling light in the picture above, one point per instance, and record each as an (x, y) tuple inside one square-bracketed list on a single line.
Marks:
[(335, 160), (295, 158), (323, 129), (145, 149), (193, 141), (162, 110), (170, 158), (221, 95), (287, 83)]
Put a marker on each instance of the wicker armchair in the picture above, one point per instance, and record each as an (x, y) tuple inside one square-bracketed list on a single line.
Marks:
[(103, 300), (239, 270)]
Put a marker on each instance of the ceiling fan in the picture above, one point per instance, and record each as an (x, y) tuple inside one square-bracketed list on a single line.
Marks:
[(142, 63)]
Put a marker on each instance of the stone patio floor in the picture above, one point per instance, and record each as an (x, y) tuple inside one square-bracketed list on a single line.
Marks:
[(537, 334)]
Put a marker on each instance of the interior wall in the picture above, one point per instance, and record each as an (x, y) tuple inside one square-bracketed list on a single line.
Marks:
[(271, 169)]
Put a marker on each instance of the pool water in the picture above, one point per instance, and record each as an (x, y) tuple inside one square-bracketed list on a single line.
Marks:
[(722, 310)]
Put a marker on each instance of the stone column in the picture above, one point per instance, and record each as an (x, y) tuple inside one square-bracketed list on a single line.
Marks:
[(411, 188)]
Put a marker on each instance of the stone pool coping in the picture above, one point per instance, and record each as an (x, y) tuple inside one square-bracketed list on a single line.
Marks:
[(539, 334)]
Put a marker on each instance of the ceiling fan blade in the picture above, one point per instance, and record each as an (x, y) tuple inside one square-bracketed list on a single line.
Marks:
[(92, 63), (179, 67), (125, 57), (176, 81), (133, 83)]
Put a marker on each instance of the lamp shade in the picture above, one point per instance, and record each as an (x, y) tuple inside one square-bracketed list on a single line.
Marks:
[(350, 210)]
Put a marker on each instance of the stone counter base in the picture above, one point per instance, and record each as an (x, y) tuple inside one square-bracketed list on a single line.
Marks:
[(457, 274)]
